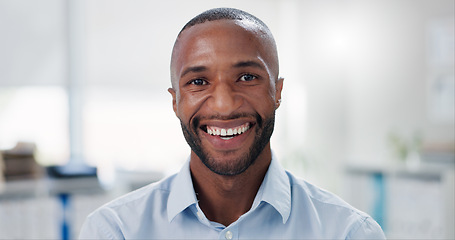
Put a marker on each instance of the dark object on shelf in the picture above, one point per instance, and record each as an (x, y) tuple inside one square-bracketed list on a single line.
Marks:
[(71, 171)]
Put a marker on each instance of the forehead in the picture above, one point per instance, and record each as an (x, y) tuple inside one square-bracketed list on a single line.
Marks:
[(234, 40)]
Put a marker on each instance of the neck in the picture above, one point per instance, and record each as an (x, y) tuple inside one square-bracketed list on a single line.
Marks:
[(224, 199)]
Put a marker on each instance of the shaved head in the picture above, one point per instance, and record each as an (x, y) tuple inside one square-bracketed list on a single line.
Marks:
[(224, 14)]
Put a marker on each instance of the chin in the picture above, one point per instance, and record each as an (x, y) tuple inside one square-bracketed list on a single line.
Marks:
[(228, 165)]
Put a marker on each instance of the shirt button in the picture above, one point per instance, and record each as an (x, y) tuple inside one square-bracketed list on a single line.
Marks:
[(228, 235), (199, 214)]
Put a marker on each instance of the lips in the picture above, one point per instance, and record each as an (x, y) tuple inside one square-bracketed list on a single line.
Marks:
[(227, 133)]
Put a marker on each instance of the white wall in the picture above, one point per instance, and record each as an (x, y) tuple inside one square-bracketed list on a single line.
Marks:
[(389, 75), (365, 72), (32, 43)]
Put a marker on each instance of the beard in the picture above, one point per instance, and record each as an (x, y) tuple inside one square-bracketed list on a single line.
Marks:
[(233, 166)]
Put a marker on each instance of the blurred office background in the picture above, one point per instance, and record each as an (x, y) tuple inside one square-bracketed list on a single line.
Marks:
[(367, 111)]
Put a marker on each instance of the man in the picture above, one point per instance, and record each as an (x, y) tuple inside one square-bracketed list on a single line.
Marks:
[(225, 91)]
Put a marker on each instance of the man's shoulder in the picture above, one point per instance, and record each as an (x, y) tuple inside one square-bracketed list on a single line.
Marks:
[(330, 210), (317, 195), (131, 209)]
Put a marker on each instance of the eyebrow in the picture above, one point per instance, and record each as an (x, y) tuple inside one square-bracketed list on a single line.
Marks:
[(195, 69), (249, 64)]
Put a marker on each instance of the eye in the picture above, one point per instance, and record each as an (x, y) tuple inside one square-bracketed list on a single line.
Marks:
[(247, 77), (198, 82)]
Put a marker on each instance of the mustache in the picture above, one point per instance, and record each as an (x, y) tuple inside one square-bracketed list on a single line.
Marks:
[(197, 119)]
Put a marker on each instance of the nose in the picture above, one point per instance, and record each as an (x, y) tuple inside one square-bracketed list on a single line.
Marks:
[(224, 100)]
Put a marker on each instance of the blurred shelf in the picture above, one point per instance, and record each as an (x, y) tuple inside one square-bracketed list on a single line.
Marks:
[(43, 187)]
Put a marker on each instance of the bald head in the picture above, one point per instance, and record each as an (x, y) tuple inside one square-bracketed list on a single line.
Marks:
[(261, 37), (224, 14)]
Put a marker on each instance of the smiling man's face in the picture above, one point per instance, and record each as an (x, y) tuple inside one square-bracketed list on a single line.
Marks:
[(225, 92)]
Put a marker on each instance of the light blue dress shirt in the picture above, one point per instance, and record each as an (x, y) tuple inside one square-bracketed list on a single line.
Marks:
[(285, 207)]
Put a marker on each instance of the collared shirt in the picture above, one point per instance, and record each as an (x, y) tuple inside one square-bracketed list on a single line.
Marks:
[(285, 207)]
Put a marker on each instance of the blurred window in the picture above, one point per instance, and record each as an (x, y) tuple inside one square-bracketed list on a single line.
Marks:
[(38, 115)]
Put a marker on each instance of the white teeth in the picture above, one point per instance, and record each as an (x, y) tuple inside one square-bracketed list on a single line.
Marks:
[(228, 133)]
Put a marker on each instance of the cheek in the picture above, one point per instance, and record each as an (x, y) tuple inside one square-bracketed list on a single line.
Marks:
[(188, 105), (263, 100)]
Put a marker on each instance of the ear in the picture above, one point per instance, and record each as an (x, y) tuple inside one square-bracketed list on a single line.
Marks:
[(278, 89), (174, 99)]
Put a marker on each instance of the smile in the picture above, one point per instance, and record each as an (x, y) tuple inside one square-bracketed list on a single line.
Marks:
[(228, 133)]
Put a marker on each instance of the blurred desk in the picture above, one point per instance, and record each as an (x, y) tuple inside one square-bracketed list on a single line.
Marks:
[(39, 208), (412, 204)]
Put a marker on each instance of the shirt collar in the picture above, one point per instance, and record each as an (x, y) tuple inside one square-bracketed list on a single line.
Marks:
[(275, 190), (182, 193)]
